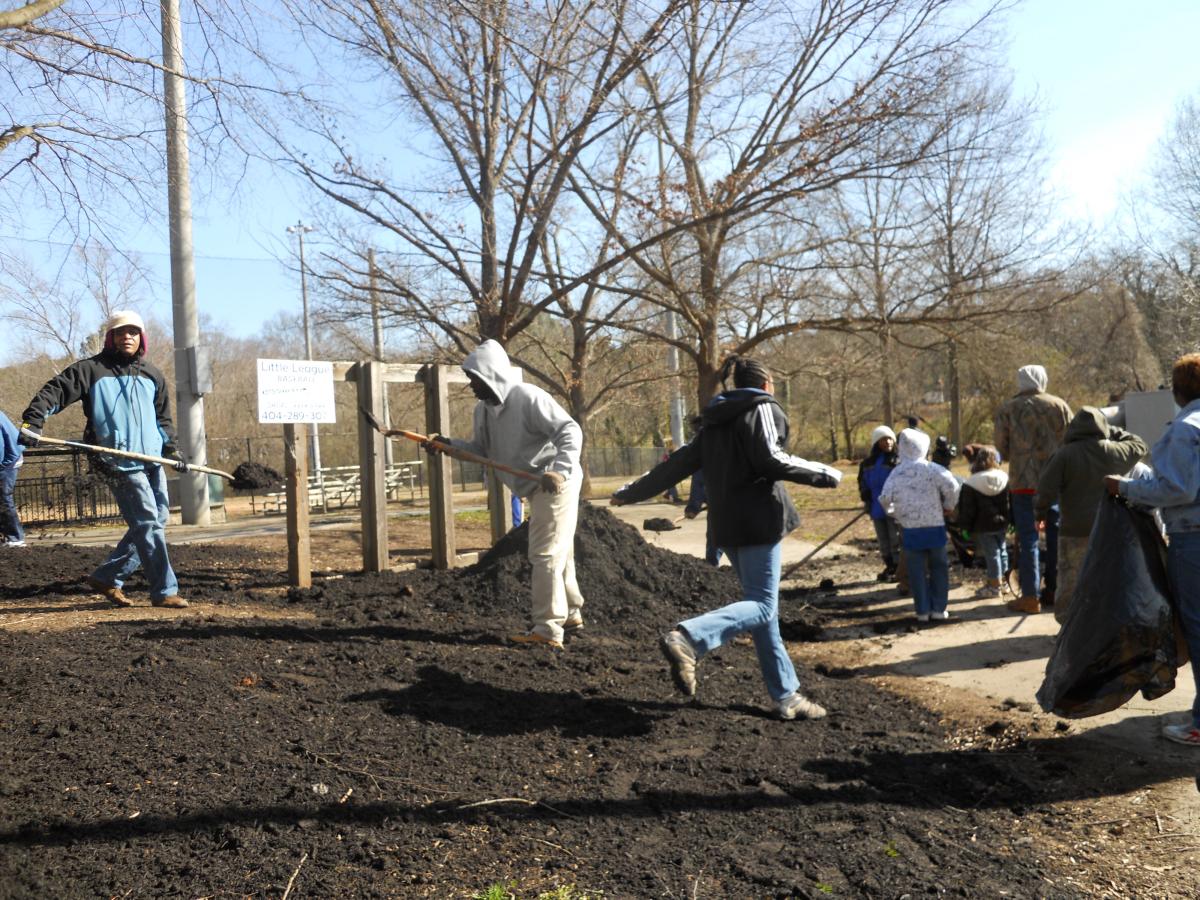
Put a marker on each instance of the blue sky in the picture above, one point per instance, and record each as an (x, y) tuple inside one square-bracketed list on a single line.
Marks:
[(1108, 74)]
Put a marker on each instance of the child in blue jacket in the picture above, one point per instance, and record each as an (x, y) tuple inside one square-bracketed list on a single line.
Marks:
[(872, 473)]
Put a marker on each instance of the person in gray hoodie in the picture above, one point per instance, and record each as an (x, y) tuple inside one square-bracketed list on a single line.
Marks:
[(1074, 479), (522, 426)]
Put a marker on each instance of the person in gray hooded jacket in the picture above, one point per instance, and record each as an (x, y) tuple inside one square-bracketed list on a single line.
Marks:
[(1074, 479), (522, 426)]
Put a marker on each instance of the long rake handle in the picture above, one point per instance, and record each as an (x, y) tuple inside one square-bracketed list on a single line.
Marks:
[(129, 454), (821, 546)]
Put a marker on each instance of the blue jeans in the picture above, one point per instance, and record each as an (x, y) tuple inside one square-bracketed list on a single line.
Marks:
[(757, 568), (142, 498), (887, 533), (10, 524), (1023, 506), (929, 579), (712, 553), (992, 546), (1183, 569)]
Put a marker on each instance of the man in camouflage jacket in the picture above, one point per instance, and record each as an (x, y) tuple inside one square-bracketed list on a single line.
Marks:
[(1028, 429)]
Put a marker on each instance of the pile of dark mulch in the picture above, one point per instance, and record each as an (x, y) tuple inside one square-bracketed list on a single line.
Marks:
[(630, 587), (252, 476)]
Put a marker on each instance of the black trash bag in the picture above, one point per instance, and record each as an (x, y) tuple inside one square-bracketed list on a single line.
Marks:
[(1120, 634)]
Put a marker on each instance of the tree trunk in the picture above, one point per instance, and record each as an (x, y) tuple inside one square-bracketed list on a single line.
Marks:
[(833, 441), (845, 412), (885, 376), (954, 386)]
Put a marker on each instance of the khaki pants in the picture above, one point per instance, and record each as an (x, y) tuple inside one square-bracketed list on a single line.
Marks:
[(552, 519), (1071, 551)]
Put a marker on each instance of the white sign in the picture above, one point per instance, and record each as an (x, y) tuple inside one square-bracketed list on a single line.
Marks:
[(295, 390)]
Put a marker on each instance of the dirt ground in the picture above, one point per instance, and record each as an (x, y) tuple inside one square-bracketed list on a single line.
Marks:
[(377, 736)]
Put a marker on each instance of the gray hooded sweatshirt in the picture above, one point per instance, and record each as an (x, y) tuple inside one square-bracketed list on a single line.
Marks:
[(527, 430)]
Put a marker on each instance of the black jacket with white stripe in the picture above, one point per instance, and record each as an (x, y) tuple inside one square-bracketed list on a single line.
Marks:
[(740, 446)]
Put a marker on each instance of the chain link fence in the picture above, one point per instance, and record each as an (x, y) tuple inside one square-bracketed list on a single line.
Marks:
[(55, 487)]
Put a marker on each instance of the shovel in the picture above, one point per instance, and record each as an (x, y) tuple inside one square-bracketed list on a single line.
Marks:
[(129, 454), (661, 523), (821, 546), (448, 449)]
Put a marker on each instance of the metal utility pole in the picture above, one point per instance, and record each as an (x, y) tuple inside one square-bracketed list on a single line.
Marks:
[(677, 408), (377, 328), (300, 230), (191, 375)]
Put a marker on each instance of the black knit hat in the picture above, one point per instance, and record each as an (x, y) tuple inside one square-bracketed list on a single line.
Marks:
[(746, 372)]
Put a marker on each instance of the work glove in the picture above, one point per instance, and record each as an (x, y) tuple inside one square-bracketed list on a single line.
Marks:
[(171, 452), (821, 480), (431, 447), (28, 436), (550, 482)]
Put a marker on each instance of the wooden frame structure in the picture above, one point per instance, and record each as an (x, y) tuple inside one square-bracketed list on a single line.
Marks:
[(370, 378)]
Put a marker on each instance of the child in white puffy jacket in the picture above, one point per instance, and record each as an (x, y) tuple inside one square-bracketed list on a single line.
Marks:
[(923, 494)]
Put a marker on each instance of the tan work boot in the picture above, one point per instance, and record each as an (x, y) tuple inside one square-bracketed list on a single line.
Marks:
[(111, 592), (532, 638), (172, 602), (1025, 605)]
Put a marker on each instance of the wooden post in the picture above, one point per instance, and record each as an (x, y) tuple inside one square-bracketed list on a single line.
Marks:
[(441, 475), (373, 505), (499, 506), (295, 455)]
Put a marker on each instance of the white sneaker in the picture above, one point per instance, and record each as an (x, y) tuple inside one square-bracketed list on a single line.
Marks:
[(796, 706), (1186, 733), (14, 544), (922, 617)]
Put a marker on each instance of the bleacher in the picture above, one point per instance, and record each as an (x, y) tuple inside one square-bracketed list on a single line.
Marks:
[(340, 487)]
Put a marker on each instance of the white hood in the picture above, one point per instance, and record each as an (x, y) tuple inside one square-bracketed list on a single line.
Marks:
[(989, 482), (490, 362), (1032, 378), (912, 445), (527, 429)]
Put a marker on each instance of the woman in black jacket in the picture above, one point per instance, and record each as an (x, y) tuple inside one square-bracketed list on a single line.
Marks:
[(740, 447)]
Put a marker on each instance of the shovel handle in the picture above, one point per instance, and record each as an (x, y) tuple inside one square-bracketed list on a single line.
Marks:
[(458, 452)]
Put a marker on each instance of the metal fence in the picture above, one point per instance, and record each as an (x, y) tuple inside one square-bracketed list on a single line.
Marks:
[(54, 487)]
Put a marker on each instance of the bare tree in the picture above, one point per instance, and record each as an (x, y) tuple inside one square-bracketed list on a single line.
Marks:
[(81, 128), (1165, 276), (63, 318), (990, 242), (502, 100), (757, 108)]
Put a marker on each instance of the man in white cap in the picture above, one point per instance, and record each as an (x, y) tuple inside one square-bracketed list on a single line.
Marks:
[(522, 426), (1028, 429), (125, 403)]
